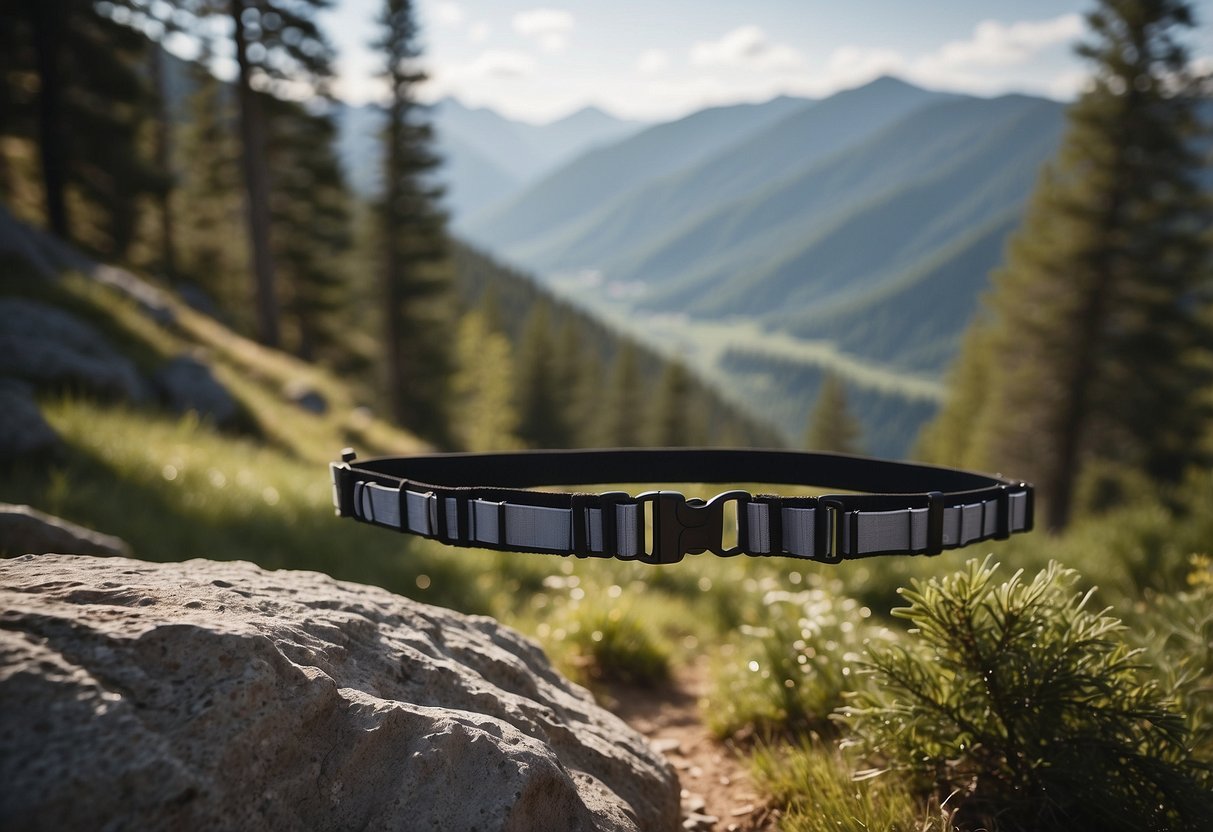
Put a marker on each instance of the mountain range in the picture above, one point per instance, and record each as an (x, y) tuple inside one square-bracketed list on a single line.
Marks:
[(486, 156), (770, 243)]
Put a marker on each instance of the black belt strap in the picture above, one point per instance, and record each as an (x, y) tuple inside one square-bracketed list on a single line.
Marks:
[(904, 508)]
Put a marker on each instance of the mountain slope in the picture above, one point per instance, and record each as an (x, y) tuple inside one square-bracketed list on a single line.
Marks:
[(642, 214), (737, 235), (486, 156), (602, 174), (913, 220)]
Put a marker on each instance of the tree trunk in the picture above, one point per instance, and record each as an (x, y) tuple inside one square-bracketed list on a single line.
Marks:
[(164, 161), (392, 265), (47, 18), (257, 188)]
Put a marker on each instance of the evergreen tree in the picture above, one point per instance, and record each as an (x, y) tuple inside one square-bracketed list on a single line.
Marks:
[(675, 417), (278, 46), (163, 156), (950, 437), (831, 425), (310, 209), (483, 386), (541, 393), (622, 417), (211, 187), (1096, 348), (88, 107), (416, 268)]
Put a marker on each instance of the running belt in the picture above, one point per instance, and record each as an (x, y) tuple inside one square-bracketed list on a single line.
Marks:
[(482, 501)]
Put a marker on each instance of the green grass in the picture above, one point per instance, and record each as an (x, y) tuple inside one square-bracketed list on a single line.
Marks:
[(812, 785)]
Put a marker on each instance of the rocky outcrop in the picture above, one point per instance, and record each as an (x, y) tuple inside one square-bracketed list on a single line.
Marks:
[(219, 695), (23, 431), (25, 530), (52, 348), (188, 384)]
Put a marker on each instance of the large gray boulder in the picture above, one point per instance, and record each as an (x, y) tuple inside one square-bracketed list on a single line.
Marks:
[(206, 695), (25, 530), (50, 347), (23, 430), (188, 384)]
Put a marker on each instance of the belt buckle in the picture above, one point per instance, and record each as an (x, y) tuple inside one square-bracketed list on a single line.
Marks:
[(686, 527)]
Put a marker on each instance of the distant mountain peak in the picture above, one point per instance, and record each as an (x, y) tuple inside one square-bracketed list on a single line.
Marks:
[(889, 82)]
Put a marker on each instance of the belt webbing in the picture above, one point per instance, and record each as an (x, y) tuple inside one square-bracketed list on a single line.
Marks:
[(906, 508)]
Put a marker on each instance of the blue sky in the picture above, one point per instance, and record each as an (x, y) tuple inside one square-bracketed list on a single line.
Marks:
[(663, 58)]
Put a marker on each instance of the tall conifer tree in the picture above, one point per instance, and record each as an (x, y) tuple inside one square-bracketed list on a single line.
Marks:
[(832, 427), (310, 206), (416, 267), (1096, 349), (75, 85), (621, 420), (675, 419), (277, 44), (210, 185), (541, 394)]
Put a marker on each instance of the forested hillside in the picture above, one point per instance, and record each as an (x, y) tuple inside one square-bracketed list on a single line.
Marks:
[(774, 230)]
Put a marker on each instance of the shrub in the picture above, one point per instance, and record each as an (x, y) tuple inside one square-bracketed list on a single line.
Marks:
[(1028, 706), (789, 674), (597, 638), (1177, 632)]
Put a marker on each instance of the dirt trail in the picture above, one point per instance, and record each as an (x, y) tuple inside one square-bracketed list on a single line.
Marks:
[(717, 792)]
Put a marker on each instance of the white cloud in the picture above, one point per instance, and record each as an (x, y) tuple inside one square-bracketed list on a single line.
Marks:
[(652, 61), (997, 44), (497, 63), (448, 13), (978, 64), (746, 47), (549, 27), (851, 64), (479, 31), (1069, 85)]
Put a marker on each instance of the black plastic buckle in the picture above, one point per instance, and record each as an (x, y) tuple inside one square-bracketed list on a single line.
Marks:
[(687, 527), (343, 484)]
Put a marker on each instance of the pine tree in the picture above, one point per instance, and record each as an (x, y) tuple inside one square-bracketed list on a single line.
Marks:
[(277, 45), (1096, 349), (88, 109), (541, 394), (831, 425), (310, 208), (622, 418), (416, 267), (675, 419), (211, 187), (483, 386)]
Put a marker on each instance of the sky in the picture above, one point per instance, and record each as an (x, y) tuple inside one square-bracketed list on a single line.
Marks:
[(659, 59)]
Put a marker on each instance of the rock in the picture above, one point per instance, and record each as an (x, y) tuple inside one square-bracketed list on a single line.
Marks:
[(150, 300), (302, 395), (25, 530), (207, 695), (47, 255), (188, 384), (50, 347), (23, 431)]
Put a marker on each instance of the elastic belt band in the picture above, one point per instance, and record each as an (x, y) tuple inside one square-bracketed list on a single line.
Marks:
[(484, 501)]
